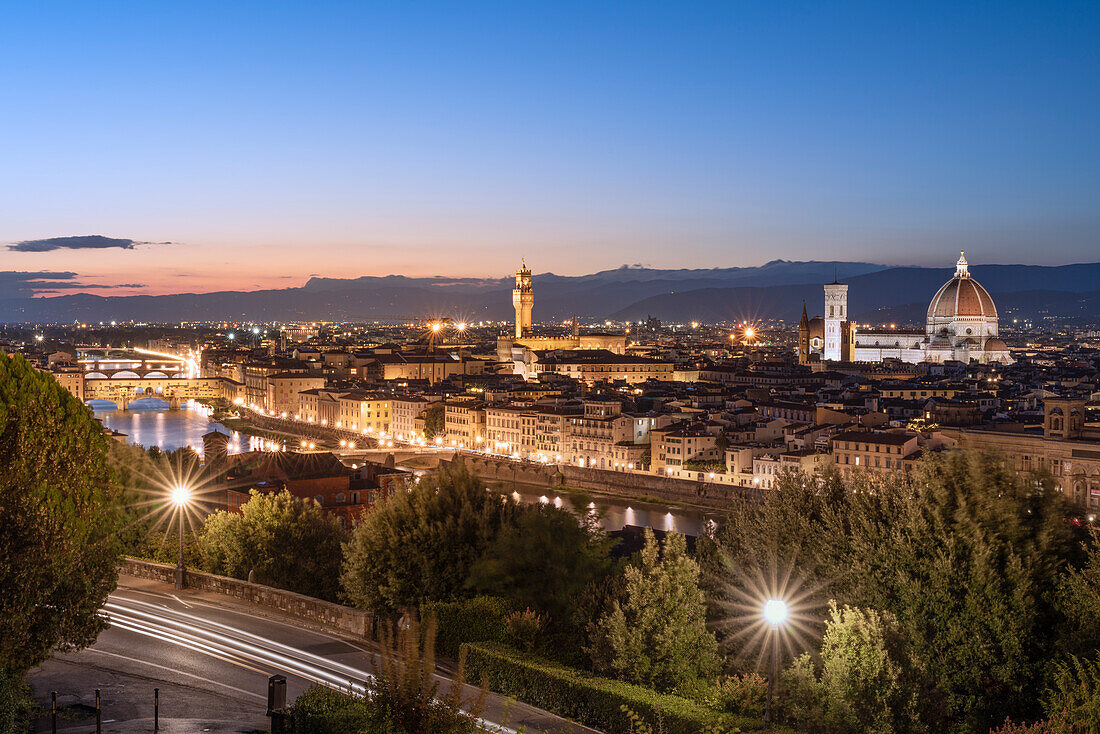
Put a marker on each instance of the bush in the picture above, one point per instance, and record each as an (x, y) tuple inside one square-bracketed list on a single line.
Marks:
[(402, 698), (17, 708), (591, 700), (524, 629), (322, 710), (480, 619), (735, 694), (1075, 693)]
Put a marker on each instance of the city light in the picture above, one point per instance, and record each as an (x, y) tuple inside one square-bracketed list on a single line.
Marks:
[(180, 495), (775, 611)]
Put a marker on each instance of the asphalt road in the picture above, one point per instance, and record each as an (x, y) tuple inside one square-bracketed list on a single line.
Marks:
[(211, 657)]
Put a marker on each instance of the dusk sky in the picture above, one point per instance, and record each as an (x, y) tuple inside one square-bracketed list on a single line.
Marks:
[(247, 145)]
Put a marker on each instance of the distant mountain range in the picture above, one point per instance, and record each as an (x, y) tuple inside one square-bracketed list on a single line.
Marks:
[(776, 290)]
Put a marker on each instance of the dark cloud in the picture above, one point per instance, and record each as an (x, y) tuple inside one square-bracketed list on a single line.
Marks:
[(80, 242), (21, 284)]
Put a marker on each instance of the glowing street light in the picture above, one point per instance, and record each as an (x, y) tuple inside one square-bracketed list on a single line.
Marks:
[(181, 497), (775, 614)]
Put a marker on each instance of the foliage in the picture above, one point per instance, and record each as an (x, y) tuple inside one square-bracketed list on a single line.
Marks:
[(420, 545), (58, 518), (544, 561), (17, 707), (743, 693), (717, 467), (282, 540), (1058, 724), (964, 553), (862, 686), (323, 710), (405, 689), (1074, 693), (433, 420), (591, 700), (1079, 597), (481, 619), (656, 634), (403, 698), (524, 629)]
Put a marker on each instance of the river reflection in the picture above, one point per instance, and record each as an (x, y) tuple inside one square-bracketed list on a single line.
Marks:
[(614, 513), (150, 423)]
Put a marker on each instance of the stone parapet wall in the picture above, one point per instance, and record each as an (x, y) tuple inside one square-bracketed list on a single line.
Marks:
[(628, 485), (334, 617)]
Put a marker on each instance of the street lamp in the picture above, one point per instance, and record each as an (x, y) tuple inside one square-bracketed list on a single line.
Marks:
[(775, 614), (181, 497)]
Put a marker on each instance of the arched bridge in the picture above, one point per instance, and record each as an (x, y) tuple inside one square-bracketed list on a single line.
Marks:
[(123, 390)]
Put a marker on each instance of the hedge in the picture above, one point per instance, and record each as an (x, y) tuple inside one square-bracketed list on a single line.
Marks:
[(480, 619), (589, 699), (322, 710)]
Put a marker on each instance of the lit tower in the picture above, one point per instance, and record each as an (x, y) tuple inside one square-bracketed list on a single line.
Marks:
[(523, 298), (836, 307)]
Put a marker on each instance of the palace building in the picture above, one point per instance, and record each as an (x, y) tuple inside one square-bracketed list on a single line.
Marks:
[(961, 325), (512, 348)]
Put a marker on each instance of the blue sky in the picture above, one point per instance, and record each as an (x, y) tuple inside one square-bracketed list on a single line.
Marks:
[(268, 141)]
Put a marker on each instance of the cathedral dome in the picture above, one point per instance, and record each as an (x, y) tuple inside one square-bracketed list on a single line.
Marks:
[(962, 296), (996, 345)]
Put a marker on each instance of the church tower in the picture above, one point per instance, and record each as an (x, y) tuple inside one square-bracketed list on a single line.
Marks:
[(836, 316), (804, 337), (523, 298)]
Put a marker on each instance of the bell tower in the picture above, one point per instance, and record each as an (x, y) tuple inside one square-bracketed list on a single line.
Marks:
[(523, 298), (836, 314)]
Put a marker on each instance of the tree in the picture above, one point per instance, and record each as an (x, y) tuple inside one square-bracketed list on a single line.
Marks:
[(656, 634), (433, 420), (280, 540), (1074, 693), (544, 561), (862, 685), (419, 546), (58, 517), (963, 552)]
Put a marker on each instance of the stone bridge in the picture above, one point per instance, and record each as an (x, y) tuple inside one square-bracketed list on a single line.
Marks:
[(123, 390)]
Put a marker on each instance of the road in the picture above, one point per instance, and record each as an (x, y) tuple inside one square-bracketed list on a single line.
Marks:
[(211, 657)]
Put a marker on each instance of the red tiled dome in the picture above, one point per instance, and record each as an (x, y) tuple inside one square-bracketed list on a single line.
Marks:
[(961, 296)]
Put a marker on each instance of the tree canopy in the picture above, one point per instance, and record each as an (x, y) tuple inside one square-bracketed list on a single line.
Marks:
[(656, 634), (58, 518), (964, 554), (420, 546), (280, 539)]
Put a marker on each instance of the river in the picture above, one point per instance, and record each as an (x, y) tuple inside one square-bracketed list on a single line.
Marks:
[(615, 512), (150, 423)]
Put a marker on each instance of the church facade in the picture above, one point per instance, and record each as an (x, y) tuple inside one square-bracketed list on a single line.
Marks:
[(961, 325)]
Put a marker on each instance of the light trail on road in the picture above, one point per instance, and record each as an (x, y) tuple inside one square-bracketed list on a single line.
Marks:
[(242, 649)]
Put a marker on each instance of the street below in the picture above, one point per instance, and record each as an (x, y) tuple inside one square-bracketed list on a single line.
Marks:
[(211, 657)]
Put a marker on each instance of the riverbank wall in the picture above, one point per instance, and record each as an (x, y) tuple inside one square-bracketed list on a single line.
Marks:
[(627, 485)]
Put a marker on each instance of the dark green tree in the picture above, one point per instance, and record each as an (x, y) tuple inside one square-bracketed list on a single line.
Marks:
[(963, 552), (861, 682), (544, 561), (58, 518), (433, 420), (419, 546), (656, 634), (280, 540)]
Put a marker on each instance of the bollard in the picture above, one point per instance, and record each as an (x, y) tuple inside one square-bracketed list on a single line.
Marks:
[(98, 714), (156, 709), (53, 711), (276, 703)]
